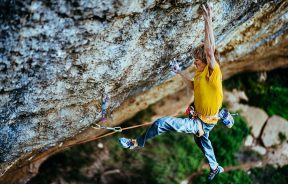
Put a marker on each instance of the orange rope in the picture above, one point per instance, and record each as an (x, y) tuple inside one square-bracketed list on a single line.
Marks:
[(96, 138), (111, 133)]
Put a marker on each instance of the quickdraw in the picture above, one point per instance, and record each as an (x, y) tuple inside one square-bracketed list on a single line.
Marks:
[(104, 107), (97, 127)]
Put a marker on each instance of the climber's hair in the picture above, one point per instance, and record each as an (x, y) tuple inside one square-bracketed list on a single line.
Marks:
[(199, 53)]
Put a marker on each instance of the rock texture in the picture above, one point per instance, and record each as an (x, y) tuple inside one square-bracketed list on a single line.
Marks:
[(279, 155), (232, 99), (248, 141), (255, 118), (57, 58), (259, 149), (275, 128)]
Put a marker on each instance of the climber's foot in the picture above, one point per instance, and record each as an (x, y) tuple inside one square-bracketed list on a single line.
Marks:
[(128, 143), (215, 172)]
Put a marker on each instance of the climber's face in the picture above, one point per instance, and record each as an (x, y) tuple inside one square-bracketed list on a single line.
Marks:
[(200, 65)]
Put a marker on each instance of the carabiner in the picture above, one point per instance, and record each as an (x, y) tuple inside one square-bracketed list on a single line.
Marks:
[(96, 126), (117, 129)]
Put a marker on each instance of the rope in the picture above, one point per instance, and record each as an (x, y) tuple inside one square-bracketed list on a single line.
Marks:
[(111, 133), (118, 129), (81, 142)]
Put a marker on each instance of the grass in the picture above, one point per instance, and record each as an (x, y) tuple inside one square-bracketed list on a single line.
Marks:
[(227, 142), (66, 164), (232, 177), (270, 175)]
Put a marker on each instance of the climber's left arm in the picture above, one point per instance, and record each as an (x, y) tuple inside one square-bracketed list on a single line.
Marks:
[(174, 66), (209, 41), (187, 80)]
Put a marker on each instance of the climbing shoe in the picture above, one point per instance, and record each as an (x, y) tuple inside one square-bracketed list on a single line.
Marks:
[(128, 143), (214, 173)]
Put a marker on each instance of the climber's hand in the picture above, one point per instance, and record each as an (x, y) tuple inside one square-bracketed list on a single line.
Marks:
[(208, 13), (175, 66)]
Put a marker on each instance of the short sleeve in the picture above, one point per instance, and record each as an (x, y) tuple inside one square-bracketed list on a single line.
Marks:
[(216, 73)]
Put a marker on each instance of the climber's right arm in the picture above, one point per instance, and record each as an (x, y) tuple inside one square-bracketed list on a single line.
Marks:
[(209, 41)]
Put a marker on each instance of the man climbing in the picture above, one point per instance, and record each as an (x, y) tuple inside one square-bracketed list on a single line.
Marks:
[(208, 98)]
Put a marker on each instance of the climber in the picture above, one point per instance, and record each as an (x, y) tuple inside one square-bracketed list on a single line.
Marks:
[(208, 98)]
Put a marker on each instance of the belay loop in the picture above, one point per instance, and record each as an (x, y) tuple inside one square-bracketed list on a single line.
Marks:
[(224, 115)]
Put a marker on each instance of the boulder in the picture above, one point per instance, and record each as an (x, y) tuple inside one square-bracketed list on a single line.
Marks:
[(279, 155), (248, 141), (232, 98), (259, 149), (276, 129), (255, 118)]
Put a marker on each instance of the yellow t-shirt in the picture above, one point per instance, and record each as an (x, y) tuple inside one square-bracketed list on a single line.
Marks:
[(208, 94)]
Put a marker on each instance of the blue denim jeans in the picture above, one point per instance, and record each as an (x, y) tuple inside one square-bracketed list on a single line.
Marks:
[(182, 125)]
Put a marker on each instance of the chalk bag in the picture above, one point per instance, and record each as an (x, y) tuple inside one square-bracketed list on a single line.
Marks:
[(226, 118)]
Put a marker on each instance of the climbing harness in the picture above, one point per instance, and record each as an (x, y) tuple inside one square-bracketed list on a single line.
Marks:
[(225, 116), (191, 112)]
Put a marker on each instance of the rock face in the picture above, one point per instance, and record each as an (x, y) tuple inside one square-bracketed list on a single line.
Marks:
[(57, 59), (276, 127)]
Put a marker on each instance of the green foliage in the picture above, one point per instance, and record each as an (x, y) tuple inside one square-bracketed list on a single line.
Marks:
[(168, 158), (270, 95), (180, 158), (270, 175), (227, 142), (72, 159), (237, 176), (267, 175), (282, 137)]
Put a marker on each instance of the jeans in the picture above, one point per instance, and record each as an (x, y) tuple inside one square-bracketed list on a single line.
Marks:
[(183, 125)]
